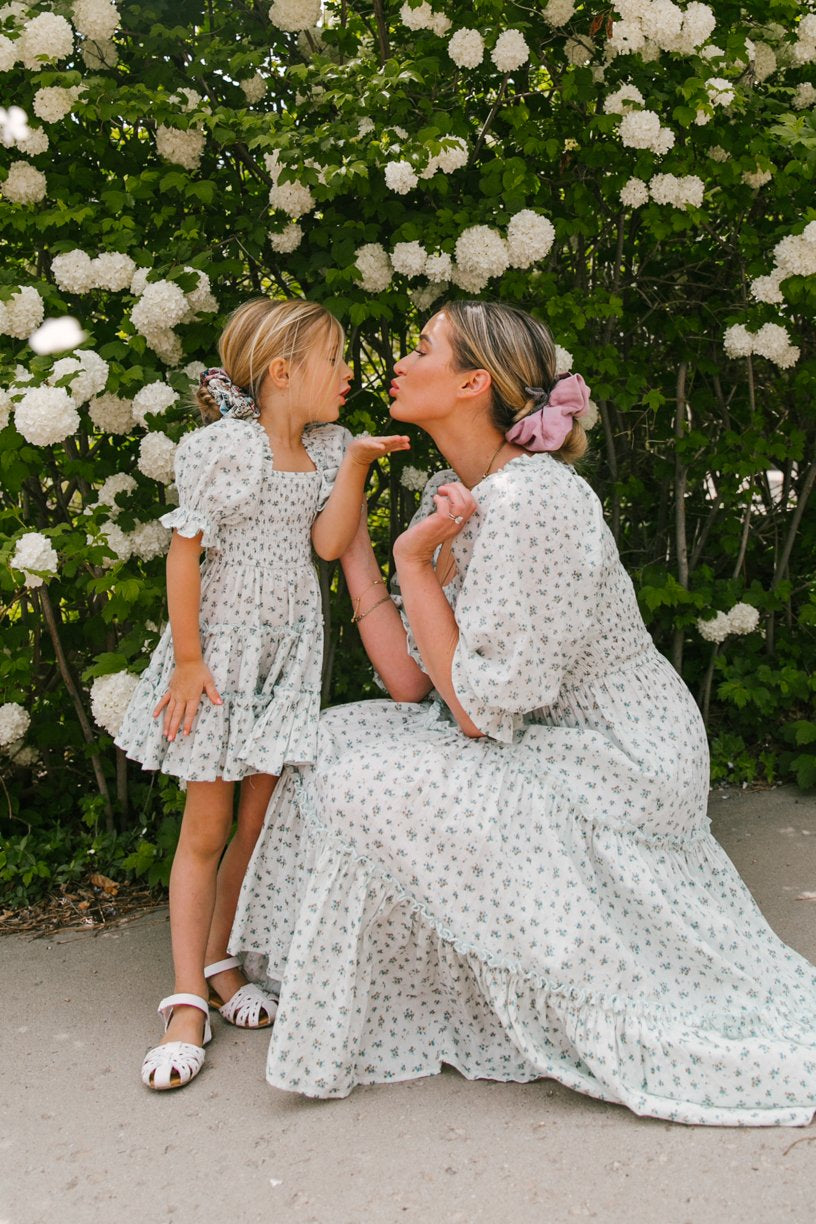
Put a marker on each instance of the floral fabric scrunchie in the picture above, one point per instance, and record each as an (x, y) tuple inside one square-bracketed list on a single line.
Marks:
[(547, 426), (232, 401)]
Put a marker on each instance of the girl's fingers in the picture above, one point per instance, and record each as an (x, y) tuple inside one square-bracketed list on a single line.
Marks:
[(162, 703), (212, 692), (189, 715)]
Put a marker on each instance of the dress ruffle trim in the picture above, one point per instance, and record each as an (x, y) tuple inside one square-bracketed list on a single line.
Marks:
[(553, 1030), (189, 522)]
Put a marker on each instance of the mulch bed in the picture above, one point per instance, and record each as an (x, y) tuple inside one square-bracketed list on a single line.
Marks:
[(98, 904)]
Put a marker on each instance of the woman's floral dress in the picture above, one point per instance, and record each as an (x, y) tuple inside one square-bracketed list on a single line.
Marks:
[(544, 901), (261, 619)]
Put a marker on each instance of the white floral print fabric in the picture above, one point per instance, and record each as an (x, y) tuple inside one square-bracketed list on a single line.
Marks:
[(544, 901), (261, 620)]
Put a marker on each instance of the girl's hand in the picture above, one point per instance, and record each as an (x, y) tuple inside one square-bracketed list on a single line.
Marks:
[(419, 543), (181, 701), (365, 450)]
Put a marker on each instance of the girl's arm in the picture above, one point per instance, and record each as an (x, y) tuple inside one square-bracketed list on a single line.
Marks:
[(334, 528), (428, 611), (382, 631), (191, 677)]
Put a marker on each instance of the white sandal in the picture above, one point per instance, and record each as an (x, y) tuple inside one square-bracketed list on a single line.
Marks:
[(249, 1003), (175, 1063)]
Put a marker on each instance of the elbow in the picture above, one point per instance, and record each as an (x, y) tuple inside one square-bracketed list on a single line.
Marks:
[(409, 691)]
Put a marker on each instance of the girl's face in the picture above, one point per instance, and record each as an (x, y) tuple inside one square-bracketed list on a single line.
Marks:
[(322, 381), (426, 387)]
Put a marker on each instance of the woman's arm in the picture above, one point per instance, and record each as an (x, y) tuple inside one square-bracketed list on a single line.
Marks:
[(428, 611), (334, 528), (380, 624), (191, 677)]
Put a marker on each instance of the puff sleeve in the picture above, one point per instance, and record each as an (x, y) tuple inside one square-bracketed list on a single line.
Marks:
[(530, 590), (219, 469), (326, 445)]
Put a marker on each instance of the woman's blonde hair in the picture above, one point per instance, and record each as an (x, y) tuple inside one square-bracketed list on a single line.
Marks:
[(518, 352), (261, 330)]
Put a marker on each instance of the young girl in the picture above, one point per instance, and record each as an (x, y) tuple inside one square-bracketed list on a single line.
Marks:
[(232, 691)]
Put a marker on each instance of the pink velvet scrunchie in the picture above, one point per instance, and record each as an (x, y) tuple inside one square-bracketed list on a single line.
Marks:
[(546, 427)]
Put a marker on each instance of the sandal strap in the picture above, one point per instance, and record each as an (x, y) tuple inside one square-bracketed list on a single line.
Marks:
[(181, 1057), (230, 962), (166, 1006), (246, 1005)]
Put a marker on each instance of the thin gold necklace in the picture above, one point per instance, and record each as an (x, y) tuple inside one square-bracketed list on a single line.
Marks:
[(492, 458)]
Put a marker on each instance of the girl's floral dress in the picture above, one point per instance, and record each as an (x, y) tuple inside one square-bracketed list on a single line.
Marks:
[(546, 900), (261, 619)]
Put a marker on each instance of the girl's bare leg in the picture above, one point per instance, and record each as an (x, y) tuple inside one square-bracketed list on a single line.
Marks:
[(256, 791), (205, 828)]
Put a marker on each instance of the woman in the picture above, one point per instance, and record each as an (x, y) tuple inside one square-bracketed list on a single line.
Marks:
[(516, 877)]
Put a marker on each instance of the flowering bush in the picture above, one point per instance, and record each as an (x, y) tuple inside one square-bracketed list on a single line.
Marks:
[(638, 176)]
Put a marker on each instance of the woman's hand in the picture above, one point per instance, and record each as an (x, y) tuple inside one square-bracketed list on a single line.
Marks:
[(454, 506), (181, 701), (364, 451)]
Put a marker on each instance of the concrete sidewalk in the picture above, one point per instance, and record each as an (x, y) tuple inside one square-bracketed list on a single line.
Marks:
[(83, 1142)]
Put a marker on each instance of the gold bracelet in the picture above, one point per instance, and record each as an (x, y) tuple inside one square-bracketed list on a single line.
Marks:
[(358, 617), (356, 601)]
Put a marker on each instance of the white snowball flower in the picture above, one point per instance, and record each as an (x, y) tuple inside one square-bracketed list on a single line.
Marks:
[(200, 300), (35, 142), (111, 414), (34, 554), (22, 313), (150, 540), (289, 239), (110, 697), (87, 372), (590, 416), (714, 630), (681, 192), (425, 296), (773, 342), (767, 288), (45, 39), (183, 148), (623, 100), (662, 23), (718, 154), (161, 305), (698, 25), (795, 255), (510, 51), (156, 452), (664, 142), (563, 360), (117, 540), (113, 270), (5, 408), (188, 100), (529, 238), (634, 193), (743, 618), (481, 253), (14, 129), (24, 184), (466, 48), (738, 341), (139, 282), (14, 722), (96, 19), (440, 24), (74, 272), (764, 61), (720, 92), (413, 478), (400, 177), (119, 482), (8, 53), (23, 756), (439, 267), (54, 102), (56, 336), (100, 55), (756, 178), (46, 415), (293, 15), (469, 280), (293, 198), (627, 38), (254, 88), (156, 398), (418, 18), (579, 51), (409, 258), (374, 267), (804, 95), (558, 12), (165, 344), (639, 129), (452, 157)]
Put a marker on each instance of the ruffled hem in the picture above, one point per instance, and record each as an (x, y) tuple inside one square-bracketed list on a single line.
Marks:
[(188, 523), (488, 1018)]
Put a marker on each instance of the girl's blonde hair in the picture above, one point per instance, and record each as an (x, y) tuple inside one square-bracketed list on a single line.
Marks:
[(261, 330), (518, 352)]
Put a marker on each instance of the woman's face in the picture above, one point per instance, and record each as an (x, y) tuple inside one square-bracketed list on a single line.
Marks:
[(426, 387)]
